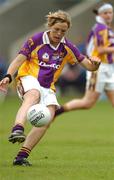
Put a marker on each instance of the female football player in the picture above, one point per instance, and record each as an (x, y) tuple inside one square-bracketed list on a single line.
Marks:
[(38, 66), (100, 44)]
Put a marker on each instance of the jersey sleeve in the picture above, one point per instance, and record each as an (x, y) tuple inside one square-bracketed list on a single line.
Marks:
[(74, 55), (27, 48), (30, 45)]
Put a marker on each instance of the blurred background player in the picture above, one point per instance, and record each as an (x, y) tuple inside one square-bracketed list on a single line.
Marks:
[(39, 64), (101, 44), (73, 78)]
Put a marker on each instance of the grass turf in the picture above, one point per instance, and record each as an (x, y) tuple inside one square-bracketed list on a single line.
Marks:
[(78, 146)]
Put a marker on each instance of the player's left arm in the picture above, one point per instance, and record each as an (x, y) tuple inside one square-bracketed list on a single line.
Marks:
[(91, 64), (75, 56)]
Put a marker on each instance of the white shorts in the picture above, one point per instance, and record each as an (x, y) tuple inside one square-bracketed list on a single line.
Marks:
[(47, 96), (101, 80)]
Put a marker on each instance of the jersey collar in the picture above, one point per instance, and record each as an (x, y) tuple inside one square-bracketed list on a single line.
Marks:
[(100, 20), (47, 41)]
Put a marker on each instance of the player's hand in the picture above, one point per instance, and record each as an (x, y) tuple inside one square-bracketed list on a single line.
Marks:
[(95, 61), (4, 84), (102, 49)]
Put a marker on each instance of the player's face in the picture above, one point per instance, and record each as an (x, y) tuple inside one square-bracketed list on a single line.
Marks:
[(107, 16), (57, 32)]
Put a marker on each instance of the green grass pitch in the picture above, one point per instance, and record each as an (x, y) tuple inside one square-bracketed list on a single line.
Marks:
[(78, 146)]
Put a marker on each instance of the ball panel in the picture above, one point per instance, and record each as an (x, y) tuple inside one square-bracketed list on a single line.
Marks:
[(38, 115)]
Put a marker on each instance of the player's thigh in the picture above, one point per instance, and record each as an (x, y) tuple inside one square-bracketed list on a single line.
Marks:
[(28, 86), (49, 98), (109, 89), (32, 95), (94, 87), (110, 95), (52, 109)]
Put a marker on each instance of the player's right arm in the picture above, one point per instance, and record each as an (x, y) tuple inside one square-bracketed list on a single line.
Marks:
[(24, 54), (13, 68)]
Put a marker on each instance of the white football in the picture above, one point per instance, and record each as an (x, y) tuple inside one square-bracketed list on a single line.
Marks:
[(38, 115)]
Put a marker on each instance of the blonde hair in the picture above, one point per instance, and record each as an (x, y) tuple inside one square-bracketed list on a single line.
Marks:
[(58, 16)]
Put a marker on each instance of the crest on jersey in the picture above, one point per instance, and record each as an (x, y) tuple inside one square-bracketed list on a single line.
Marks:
[(55, 56), (45, 57), (61, 54), (58, 56)]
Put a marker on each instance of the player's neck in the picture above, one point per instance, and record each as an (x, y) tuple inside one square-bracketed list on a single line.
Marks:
[(54, 44), (108, 24)]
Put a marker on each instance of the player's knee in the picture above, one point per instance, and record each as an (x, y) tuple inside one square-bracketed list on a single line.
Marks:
[(51, 120), (34, 96)]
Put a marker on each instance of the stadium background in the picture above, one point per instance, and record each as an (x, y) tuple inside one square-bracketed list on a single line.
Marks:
[(79, 145)]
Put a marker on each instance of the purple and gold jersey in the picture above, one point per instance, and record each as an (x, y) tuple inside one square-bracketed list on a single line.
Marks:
[(46, 62), (100, 35)]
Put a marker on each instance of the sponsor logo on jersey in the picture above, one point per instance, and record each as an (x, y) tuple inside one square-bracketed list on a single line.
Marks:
[(53, 65)]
